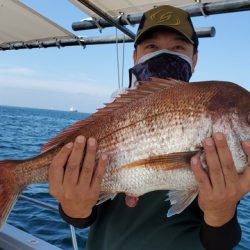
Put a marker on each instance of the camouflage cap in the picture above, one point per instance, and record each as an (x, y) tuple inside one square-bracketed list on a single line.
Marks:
[(168, 17)]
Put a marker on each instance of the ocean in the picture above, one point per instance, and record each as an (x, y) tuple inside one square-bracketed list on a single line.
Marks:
[(22, 132)]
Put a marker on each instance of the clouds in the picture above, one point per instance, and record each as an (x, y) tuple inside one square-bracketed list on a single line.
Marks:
[(19, 71), (23, 86), (28, 78), (49, 99)]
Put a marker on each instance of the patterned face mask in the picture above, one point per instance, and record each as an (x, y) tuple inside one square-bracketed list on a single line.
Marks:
[(162, 64)]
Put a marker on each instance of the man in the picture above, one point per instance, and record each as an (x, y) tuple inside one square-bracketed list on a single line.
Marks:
[(165, 34)]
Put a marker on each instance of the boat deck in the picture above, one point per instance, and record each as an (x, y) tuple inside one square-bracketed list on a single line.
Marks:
[(12, 238)]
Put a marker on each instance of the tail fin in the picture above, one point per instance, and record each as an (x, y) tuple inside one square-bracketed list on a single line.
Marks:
[(9, 189)]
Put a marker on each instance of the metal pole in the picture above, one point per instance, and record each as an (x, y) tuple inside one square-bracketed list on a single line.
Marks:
[(95, 40), (205, 32), (219, 7), (194, 10), (40, 203), (51, 207), (73, 237), (108, 18)]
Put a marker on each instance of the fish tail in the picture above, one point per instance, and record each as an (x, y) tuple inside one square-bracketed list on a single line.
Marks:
[(9, 189)]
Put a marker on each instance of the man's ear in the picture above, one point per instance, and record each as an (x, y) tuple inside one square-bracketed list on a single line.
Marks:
[(135, 56), (194, 61)]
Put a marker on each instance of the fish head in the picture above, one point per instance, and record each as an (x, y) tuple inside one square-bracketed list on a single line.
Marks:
[(242, 123), (230, 108)]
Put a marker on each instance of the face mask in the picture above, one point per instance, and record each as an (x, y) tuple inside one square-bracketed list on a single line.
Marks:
[(162, 64)]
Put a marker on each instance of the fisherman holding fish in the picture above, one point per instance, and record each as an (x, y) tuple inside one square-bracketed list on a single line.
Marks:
[(165, 47)]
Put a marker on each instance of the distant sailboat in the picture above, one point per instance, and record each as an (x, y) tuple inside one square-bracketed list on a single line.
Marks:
[(72, 109)]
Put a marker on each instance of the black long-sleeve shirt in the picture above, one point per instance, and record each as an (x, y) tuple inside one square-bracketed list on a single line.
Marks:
[(115, 226)]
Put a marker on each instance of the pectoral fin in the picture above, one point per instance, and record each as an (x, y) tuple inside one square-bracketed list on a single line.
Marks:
[(164, 162), (104, 196), (179, 200)]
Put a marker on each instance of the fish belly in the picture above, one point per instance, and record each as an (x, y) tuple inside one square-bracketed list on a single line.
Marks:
[(140, 180)]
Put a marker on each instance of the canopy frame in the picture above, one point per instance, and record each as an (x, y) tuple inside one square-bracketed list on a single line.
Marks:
[(106, 20), (194, 10)]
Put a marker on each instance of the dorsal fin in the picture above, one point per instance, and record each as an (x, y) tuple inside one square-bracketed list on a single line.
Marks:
[(143, 89)]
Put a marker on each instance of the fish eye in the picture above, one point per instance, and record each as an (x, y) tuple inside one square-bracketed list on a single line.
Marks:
[(248, 118)]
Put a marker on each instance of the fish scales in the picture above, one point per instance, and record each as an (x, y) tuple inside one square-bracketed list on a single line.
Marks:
[(156, 131), (150, 134)]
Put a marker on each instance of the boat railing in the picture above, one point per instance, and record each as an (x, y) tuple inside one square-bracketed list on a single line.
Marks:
[(53, 208)]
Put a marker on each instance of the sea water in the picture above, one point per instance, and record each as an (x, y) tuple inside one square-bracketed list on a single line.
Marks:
[(22, 132)]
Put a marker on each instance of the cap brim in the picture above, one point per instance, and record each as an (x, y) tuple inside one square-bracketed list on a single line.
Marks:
[(151, 29)]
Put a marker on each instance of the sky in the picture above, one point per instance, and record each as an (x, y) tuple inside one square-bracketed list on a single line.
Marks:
[(85, 78)]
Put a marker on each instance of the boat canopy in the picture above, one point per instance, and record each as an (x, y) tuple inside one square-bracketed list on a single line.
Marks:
[(115, 8), (23, 28), (19, 23)]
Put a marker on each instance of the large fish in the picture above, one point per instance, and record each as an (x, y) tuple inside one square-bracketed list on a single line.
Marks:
[(150, 133)]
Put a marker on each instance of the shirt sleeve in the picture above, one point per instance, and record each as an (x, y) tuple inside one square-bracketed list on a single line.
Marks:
[(221, 238), (79, 222)]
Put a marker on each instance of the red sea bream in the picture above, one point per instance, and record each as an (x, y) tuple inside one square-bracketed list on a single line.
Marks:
[(150, 133)]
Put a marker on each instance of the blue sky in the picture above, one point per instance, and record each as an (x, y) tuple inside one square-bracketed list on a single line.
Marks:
[(85, 78)]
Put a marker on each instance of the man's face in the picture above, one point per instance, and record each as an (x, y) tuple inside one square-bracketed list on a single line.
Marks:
[(165, 39)]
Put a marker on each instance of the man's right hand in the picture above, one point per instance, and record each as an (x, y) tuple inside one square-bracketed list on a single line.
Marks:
[(74, 180)]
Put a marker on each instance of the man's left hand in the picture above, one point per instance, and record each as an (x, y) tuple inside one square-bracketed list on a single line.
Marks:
[(221, 187)]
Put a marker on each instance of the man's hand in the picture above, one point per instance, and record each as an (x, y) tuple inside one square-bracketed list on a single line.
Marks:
[(222, 187), (74, 180)]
